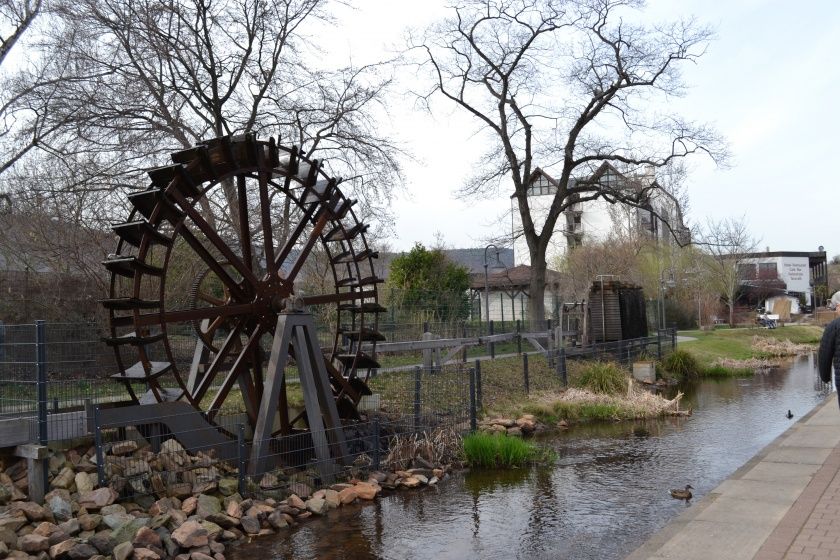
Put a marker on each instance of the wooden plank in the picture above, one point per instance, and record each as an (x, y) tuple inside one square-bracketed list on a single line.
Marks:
[(17, 431), (31, 451), (61, 426)]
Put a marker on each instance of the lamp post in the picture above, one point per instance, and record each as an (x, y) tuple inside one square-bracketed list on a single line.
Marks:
[(487, 283)]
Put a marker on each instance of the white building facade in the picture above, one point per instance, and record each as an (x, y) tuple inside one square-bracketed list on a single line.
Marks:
[(593, 221)]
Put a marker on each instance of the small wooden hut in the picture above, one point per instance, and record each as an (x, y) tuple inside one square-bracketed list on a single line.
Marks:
[(617, 311)]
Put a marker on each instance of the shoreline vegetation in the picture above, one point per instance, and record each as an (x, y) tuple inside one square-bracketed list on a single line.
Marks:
[(605, 391), (741, 352)]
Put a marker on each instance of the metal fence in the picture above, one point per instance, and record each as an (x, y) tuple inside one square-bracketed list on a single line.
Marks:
[(54, 384), (146, 458)]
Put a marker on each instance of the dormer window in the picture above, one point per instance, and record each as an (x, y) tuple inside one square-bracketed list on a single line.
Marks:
[(541, 185)]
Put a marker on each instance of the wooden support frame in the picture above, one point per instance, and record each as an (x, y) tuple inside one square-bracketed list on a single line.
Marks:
[(297, 330)]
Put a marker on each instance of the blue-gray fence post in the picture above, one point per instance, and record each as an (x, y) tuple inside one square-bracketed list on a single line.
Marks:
[(561, 365), (240, 448), (41, 377), (478, 383), (673, 338), (492, 344), (659, 345), (417, 385), (464, 335), (100, 453), (473, 415), (376, 443), (525, 372)]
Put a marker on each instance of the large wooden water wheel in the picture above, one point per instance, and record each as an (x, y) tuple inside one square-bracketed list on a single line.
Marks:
[(183, 277)]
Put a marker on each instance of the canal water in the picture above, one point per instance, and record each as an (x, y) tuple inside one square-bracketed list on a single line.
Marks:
[(605, 495)]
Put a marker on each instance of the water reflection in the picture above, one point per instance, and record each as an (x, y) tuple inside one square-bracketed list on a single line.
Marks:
[(606, 494)]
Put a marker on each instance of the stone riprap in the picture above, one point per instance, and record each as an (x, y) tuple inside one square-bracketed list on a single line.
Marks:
[(180, 505)]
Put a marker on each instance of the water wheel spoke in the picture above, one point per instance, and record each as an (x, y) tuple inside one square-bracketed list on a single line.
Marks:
[(317, 229), (244, 222), (210, 331), (214, 238), (294, 236), (232, 287), (239, 373), (185, 315), (338, 297), (265, 221), (218, 361), (207, 298)]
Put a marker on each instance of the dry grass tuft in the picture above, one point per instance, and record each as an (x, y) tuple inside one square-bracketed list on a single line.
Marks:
[(442, 446), (774, 348)]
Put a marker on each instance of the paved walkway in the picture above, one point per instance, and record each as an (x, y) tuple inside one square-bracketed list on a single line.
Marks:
[(784, 504)]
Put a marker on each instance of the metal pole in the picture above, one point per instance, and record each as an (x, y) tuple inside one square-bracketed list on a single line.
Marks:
[(492, 344), (41, 377), (478, 383), (240, 440), (100, 454), (486, 290), (561, 365), (525, 373), (417, 385), (464, 334), (518, 336), (376, 443), (473, 419), (659, 344)]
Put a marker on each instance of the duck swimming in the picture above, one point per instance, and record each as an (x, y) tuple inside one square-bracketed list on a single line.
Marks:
[(789, 415), (682, 494)]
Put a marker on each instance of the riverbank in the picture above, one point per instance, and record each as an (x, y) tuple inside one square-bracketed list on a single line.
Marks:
[(781, 504), (744, 350)]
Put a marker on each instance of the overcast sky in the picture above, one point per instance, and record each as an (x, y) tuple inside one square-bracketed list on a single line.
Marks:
[(770, 83)]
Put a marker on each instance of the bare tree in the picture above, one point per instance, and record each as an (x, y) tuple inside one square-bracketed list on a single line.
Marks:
[(16, 16), (152, 76), (727, 244), (567, 85)]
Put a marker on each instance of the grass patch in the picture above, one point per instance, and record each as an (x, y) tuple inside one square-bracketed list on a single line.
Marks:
[(574, 411), (741, 344), (605, 378), (719, 371), (682, 363), (497, 450)]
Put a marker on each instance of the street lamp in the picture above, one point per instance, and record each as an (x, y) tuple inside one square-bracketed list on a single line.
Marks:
[(487, 280)]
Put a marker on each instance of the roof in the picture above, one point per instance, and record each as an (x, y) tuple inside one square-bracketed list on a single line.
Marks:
[(768, 254), (472, 259), (516, 276)]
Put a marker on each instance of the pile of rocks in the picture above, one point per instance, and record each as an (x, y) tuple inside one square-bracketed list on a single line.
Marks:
[(183, 521), (525, 425)]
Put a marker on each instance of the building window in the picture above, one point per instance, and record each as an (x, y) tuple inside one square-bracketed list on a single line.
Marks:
[(767, 271), (540, 185), (747, 271)]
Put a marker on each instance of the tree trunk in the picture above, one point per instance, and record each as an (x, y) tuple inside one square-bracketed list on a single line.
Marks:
[(536, 300), (731, 314)]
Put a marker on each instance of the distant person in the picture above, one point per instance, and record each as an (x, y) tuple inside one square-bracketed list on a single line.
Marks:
[(830, 351)]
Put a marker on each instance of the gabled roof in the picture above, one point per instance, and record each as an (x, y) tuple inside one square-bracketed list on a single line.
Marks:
[(514, 277), (603, 169), (471, 258)]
